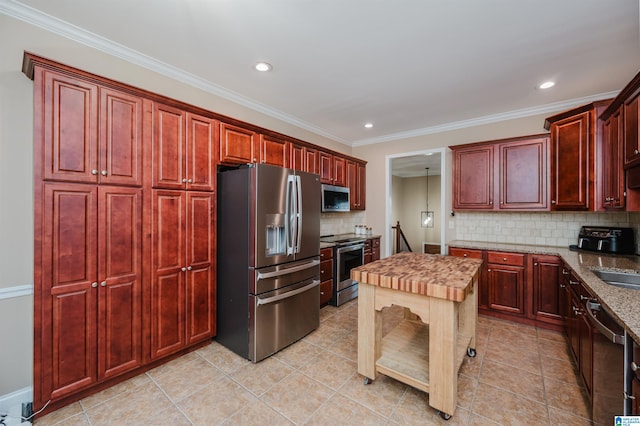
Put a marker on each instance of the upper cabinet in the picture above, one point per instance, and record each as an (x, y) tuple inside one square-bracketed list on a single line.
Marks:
[(356, 181), (184, 148), (611, 172), (631, 131), (91, 134), (509, 174), (273, 151), (333, 169), (574, 136), (238, 145)]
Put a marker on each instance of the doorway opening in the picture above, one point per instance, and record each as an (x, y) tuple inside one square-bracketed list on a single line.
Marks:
[(415, 189)]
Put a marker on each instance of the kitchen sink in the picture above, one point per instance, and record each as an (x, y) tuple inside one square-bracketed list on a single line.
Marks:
[(621, 279)]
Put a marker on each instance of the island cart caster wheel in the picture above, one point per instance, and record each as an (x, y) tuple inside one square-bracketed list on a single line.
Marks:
[(367, 381), (444, 415), (471, 352)]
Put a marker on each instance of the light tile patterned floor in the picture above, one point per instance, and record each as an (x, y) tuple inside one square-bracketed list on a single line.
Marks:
[(520, 376)]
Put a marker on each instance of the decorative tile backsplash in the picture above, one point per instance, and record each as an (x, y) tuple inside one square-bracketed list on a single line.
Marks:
[(341, 223), (544, 228)]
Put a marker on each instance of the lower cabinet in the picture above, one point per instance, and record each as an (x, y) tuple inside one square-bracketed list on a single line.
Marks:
[(88, 293), (519, 287), (326, 275), (183, 276), (371, 250)]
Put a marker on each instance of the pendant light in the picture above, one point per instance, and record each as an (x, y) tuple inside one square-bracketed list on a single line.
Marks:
[(426, 217)]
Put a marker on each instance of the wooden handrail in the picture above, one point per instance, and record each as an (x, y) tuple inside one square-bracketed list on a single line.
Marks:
[(400, 235)]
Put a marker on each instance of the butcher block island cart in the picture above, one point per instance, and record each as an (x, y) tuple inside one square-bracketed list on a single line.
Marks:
[(427, 348)]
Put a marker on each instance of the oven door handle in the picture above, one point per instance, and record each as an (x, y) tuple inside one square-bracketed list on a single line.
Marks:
[(354, 247), (288, 294), (286, 271), (609, 334)]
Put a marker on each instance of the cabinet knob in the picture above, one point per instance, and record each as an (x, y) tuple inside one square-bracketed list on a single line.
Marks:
[(184, 269), (255, 160), (553, 201), (190, 180), (535, 263), (464, 255), (563, 286), (636, 152), (94, 284), (489, 270), (104, 173), (573, 282), (184, 180), (321, 271), (634, 366), (504, 259), (189, 268), (490, 203), (103, 283), (94, 172)]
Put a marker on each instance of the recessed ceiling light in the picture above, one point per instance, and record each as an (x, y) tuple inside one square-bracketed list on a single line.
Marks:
[(263, 66), (368, 125), (546, 85)]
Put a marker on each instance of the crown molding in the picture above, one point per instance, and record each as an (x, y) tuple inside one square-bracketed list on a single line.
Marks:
[(488, 119), (65, 29)]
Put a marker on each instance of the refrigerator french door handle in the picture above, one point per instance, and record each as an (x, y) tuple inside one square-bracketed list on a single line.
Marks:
[(289, 223), (298, 213), (279, 273), (288, 294)]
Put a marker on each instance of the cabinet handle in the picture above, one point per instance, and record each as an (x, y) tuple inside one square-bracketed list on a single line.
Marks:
[(583, 298), (563, 286), (103, 283), (634, 366), (565, 272), (94, 172), (184, 269), (104, 173), (573, 282), (627, 396), (189, 268), (94, 284)]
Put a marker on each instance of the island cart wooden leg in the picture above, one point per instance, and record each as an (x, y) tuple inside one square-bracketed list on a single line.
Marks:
[(468, 318), (443, 371), (369, 332)]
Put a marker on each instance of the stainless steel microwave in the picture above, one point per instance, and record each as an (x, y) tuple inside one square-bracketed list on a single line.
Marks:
[(335, 198)]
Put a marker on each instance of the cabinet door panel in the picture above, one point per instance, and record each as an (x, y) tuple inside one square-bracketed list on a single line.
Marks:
[(200, 258), (296, 157), (168, 147), (237, 145), (362, 184), (339, 171), (613, 184), (506, 288), (69, 269), (325, 163), (273, 151), (473, 178), (570, 160), (523, 176), (168, 287), (202, 136), (120, 266), (312, 161), (632, 131), (546, 289), (120, 138), (353, 185), (70, 129)]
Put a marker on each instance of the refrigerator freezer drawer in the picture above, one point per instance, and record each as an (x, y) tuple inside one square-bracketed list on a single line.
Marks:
[(280, 276), (279, 318)]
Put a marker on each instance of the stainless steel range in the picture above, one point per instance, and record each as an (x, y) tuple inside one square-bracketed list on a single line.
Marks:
[(348, 254)]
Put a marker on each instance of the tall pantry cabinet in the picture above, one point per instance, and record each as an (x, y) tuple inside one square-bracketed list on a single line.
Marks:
[(88, 234), (124, 220)]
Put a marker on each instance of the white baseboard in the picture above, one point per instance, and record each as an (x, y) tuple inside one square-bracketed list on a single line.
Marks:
[(15, 398), (16, 291)]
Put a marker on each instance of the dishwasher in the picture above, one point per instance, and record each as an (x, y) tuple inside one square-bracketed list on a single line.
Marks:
[(609, 388)]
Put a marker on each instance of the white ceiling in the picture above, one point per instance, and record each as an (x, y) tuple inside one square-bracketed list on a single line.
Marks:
[(411, 67)]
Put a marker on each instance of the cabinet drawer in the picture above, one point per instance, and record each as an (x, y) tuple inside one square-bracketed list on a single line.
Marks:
[(326, 270), (501, 258), (460, 252), (326, 253)]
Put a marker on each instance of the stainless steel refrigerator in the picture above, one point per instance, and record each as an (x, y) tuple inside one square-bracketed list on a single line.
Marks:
[(268, 258)]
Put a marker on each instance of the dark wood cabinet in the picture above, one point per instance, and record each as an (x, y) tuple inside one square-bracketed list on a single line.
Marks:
[(326, 275), (632, 130), (473, 177), (91, 289), (612, 170), (296, 157), (546, 291), (183, 280), (506, 282), (339, 166), (483, 291), (312, 161), (510, 174), (333, 169), (371, 250), (184, 147), (273, 151), (90, 134), (356, 181), (238, 145)]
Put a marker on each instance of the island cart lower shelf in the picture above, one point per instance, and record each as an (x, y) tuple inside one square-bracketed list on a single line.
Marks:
[(427, 348), (405, 354)]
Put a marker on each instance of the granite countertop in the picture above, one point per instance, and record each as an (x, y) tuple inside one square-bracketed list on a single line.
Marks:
[(622, 303), (445, 277), (326, 245)]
